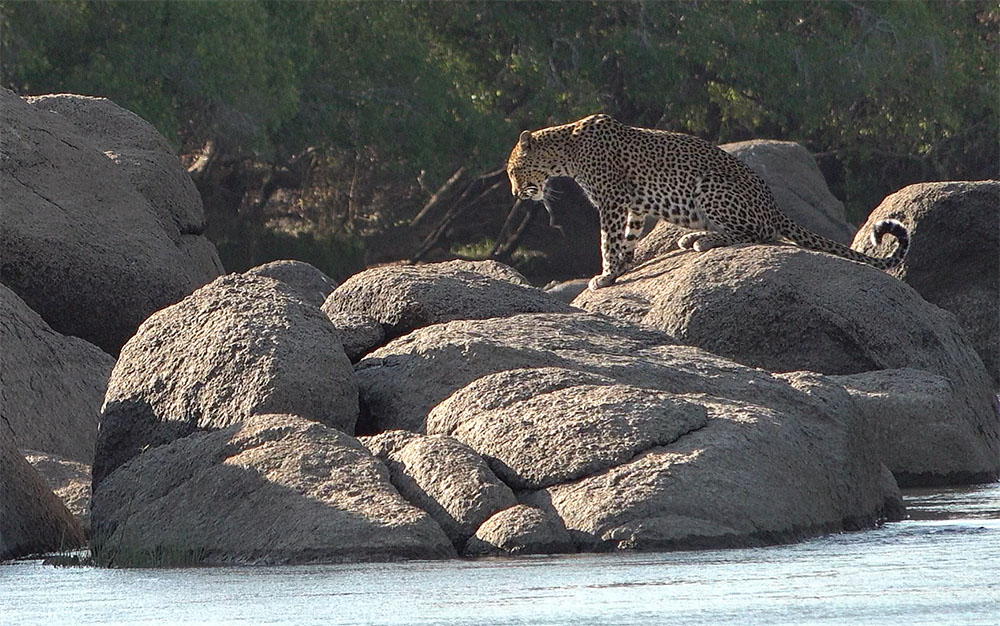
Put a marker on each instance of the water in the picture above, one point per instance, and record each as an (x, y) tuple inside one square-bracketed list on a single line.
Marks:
[(942, 566)]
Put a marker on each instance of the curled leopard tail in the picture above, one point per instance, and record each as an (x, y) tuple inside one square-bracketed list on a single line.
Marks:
[(807, 239)]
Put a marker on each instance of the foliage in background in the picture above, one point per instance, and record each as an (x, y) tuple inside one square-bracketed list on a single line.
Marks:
[(318, 125)]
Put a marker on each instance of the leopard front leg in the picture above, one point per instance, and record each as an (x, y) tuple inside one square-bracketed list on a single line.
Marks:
[(615, 254)]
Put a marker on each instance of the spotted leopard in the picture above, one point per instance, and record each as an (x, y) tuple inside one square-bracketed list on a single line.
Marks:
[(630, 172)]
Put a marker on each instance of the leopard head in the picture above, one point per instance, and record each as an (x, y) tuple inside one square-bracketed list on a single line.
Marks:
[(526, 168)]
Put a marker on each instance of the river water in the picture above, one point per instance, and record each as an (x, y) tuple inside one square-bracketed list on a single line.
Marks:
[(941, 566)]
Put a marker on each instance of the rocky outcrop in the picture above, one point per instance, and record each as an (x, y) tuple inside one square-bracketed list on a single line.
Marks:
[(69, 480), (712, 471), (32, 519), (240, 346), (444, 477), (101, 226), (785, 309), (51, 385), (310, 284), (402, 298), (270, 489), (952, 261), (798, 186)]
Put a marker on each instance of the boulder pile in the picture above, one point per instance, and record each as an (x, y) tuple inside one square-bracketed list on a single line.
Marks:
[(739, 397)]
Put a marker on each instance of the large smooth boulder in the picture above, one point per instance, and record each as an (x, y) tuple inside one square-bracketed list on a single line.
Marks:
[(784, 309), (272, 489), (444, 477), (953, 257), (32, 519), (51, 385), (401, 298), (738, 456), (241, 345), (797, 184), (94, 244)]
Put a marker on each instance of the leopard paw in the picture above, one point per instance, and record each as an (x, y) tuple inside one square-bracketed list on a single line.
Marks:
[(600, 281)]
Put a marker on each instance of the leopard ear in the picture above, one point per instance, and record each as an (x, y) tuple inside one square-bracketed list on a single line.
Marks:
[(525, 140)]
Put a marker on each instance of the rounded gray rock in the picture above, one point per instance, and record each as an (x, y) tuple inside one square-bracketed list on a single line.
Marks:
[(83, 246), (444, 477), (405, 297), (558, 435), (311, 284), (952, 261), (32, 519), (521, 529), (273, 489), (51, 385), (240, 346)]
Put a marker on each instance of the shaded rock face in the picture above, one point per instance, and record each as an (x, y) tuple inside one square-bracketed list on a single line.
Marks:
[(69, 480), (797, 184), (32, 519), (51, 386), (671, 447), (444, 477), (101, 226), (402, 298), (272, 489), (953, 259), (784, 309), (921, 427), (239, 346), (310, 284)]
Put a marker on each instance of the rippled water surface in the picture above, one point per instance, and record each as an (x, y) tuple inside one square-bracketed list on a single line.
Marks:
[(942, 566)]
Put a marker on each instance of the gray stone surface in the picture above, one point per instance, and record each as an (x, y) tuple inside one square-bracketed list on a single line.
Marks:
[(92, 244), (954, 256), (521, 529), (444, 477), (51, 385), (920, 421), (402, 298), (359, 333), (239, 346), (784, 309), (69, 480), (272, 489), (554, 434), (770, 463), (310, 284), (32, 519)]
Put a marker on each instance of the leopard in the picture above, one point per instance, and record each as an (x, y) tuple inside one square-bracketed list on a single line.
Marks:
[(630, 172)]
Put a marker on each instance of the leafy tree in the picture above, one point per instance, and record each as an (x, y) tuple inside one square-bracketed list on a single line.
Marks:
[(318, 124)]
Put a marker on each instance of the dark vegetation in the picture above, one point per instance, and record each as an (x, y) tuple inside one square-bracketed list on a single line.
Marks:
[(351, 133)]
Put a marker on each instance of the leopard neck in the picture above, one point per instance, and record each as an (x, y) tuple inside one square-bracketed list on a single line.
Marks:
[(559, 144)]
